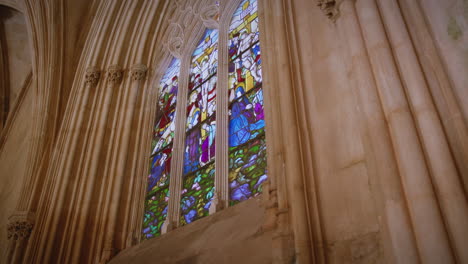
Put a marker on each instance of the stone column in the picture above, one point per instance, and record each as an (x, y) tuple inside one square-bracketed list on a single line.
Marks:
[(19, 230), (428, 225), (138, 76), (221, 198), (441, 88), (90, 171), (62, 163), (397, 234), (444, 173), (280, 109)]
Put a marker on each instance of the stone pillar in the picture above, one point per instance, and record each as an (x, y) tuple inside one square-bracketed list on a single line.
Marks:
[(428, 225), (284, 147), (221, 198), (62, 161), (19, 230), (138, 76), (441, 88), (397, 232), (89, 172), (444, 173)]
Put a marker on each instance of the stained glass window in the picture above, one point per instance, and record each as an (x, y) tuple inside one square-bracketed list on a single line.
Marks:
[(160, 161), (199, 153), (247, 148), (246, 131)]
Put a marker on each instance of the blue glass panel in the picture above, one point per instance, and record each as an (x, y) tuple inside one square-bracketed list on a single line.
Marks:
[(246, 120)]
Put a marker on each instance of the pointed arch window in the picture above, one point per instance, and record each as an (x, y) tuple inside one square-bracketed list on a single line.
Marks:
[(199, 154), (247, 147), (156, 201), (195, 189)]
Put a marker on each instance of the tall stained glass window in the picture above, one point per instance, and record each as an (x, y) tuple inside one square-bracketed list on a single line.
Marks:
[(247, 148), (198, 173), (157, 197)]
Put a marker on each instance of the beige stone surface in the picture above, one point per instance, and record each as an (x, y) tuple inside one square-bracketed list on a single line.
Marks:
[(13, 159), (18, 50), (232, 236), (448, 21)]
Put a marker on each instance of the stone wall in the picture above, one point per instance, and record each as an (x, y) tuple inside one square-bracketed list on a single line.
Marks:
[(234, 235)]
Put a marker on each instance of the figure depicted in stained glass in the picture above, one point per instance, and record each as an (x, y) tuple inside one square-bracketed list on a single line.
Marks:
[(243, 31), (205, 59), (246, 118), (199, 146), (160, 167), (208, 132), (245, 72), (201, 103), (169, 85), (164, 132), (192, 151)]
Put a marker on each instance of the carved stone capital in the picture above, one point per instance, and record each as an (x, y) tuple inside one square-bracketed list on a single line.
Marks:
[(20, 225), (114, 74), (92, 76), (138, 72), (330, 8)]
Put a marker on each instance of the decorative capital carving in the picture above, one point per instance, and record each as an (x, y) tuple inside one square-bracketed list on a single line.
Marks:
[(138, 72), (114, 74), (19, 230), (20, 225), (92, 76), (330, 8)]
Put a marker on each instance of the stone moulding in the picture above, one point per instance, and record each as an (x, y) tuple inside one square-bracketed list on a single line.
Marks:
[(209, 16)]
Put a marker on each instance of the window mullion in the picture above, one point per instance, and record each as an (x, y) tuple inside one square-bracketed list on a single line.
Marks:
[(222, 121)]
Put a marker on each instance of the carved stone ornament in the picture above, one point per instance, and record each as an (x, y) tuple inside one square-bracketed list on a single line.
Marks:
[(330, 8), (138, 72), (19, 230), (20, 225), (92, 76), (114, 74), (210, 16)]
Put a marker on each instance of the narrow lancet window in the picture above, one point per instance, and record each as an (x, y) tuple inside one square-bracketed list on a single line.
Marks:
[(157, 197), (198, 173), (247, 148)]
